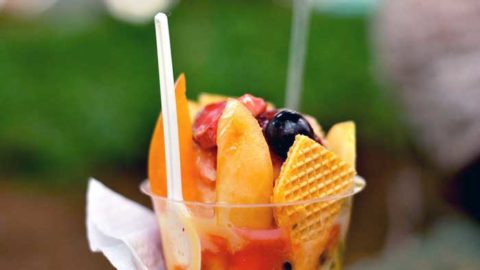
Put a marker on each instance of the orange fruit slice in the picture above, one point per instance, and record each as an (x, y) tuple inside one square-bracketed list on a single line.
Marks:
[(156, 159), (341, 140)]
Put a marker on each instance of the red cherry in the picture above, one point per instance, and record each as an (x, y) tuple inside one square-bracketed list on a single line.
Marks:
[(265, 117), (206, 123), (254, 104)]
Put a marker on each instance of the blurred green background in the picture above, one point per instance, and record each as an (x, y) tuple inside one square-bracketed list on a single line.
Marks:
[(78, 98)]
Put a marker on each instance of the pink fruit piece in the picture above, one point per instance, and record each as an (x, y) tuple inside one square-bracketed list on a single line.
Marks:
[(206, 123), (255, 105), (207, 164)]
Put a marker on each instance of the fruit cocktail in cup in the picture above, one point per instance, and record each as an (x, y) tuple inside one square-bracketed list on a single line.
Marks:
[(264, 188)]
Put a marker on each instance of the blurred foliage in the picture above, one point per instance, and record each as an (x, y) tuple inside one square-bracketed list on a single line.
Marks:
[(72, 101)]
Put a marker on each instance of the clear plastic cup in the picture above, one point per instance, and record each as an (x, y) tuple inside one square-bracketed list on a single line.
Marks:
[(303, 235)]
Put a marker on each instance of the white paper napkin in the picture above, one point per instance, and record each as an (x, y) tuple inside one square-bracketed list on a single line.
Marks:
[(124, 231)]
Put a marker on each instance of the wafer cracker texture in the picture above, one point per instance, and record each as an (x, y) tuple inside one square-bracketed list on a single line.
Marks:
[(311, 171)]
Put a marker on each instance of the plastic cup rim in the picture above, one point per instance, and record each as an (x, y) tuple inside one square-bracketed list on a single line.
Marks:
[(358, 185)]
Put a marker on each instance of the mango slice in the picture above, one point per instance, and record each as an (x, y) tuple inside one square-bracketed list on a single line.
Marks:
[(156, 158), (244, 169), (341, 140)]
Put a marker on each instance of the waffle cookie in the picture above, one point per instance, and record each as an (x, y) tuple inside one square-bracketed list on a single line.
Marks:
[(310, 171)]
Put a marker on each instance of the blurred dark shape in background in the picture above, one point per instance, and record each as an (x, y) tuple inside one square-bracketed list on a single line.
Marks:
[(428, 51), (79, 97), (463, 189), (433, 57)]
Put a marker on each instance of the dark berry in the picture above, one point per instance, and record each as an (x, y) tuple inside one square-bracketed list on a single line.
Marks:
[(283, 128), (287, 266)]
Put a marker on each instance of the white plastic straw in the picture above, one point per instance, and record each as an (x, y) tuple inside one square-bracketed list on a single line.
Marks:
[(169, 108)]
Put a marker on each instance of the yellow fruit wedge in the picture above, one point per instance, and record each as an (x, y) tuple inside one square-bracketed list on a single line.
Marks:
[(341, 141), (244, 169), (317, 129), (206, 98)]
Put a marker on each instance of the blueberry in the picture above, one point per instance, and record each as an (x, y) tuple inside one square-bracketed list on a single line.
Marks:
[(287, 266), (282, 129)]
